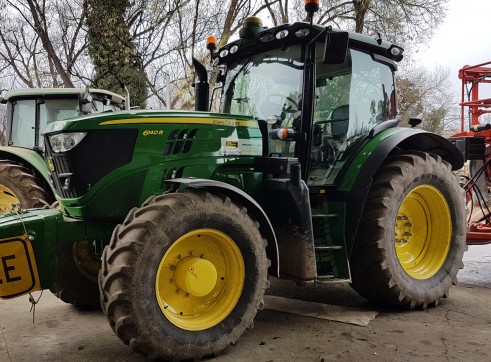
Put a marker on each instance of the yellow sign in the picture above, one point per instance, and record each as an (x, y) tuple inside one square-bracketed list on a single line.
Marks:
[(18, 270)]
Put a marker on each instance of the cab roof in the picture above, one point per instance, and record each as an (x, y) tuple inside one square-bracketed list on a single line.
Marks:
[(262, 38), (53, 92)]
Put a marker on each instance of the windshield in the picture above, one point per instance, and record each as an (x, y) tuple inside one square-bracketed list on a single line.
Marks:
[(267, 85), (350, 99), (22, 133)]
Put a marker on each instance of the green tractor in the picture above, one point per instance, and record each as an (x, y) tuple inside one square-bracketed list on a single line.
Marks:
[(303, 175), (24, 178)]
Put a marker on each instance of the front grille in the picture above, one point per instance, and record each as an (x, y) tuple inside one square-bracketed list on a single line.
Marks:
[(100, 152), (179, 141)]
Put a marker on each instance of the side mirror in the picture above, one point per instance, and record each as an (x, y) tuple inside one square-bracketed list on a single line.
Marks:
[(335, 47), (413, 122), (3, 100), (86, 103)]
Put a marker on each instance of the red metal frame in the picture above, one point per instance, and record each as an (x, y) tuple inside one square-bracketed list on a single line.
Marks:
[(472, 78)]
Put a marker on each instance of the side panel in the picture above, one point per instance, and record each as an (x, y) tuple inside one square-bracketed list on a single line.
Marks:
[(162, 146)]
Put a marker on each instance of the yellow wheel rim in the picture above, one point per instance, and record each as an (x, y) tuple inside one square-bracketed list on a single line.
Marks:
[(423, 232), (87, 263), (7, 198), (200, 279)]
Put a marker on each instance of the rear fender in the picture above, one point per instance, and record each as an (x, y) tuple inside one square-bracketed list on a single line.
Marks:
[(403, 139), (30, 159), (253, 208)]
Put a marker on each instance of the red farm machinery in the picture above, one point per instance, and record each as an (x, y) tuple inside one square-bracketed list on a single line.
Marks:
[(474, 141)]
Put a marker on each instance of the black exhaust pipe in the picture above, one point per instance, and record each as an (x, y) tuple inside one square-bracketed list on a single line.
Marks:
[(201, 87)]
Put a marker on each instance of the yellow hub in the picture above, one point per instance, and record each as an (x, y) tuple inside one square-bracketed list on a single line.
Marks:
[(195, 276), (7, 199), (200, 279), (87, 262), (423, 232)]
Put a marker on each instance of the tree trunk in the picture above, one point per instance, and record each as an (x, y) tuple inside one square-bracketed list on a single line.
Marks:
[(48, 46), (360, 8)]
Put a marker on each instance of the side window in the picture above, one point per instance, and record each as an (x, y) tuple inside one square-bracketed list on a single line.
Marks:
[(351, 98), (22, 133), (332, 120), (372, 93)]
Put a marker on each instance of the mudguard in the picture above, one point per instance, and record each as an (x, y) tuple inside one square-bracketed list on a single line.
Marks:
[(28, 158), (252, 206), (356, 183)]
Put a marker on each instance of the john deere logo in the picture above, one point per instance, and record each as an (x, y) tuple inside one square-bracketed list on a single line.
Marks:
[(155, 132)]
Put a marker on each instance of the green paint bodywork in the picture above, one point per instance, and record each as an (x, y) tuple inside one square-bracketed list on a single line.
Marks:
[(351, 172), (46, 228), (146, 173)]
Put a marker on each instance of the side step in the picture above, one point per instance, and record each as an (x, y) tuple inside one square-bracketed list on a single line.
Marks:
[(330, 250)]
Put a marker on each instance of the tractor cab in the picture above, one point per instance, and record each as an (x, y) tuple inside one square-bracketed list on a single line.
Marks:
[(318, 95), (315, 117)]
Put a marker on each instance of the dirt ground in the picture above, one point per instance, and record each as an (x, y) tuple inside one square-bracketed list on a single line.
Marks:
[(457, 330)]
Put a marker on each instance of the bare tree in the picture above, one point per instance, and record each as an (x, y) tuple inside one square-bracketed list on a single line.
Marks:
[(428, 94), (404, 21), (43, 41)]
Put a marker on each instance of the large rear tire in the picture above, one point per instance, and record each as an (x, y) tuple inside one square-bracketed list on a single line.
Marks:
[(184, 276), (411, 238), (19, 186)]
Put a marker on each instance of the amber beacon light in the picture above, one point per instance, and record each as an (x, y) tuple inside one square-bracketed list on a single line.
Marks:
[(211, 43)]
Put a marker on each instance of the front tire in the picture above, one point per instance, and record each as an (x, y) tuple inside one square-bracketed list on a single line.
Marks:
[(411, 237), (184, 276)]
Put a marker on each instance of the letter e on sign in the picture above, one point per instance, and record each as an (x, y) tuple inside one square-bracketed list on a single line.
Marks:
[(18, 271)]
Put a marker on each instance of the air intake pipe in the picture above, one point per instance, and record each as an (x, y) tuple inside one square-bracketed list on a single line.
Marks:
[(201, 87)]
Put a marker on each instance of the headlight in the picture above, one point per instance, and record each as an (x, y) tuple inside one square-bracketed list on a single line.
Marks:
[(63, 142)]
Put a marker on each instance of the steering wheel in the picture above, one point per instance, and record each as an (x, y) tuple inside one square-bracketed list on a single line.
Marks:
[(288, 102)]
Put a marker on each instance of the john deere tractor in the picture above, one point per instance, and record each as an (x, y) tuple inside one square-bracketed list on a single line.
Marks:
[(24, 178), (303, 175)]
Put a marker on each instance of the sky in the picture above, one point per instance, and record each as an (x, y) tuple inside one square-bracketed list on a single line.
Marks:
[(462, 39)]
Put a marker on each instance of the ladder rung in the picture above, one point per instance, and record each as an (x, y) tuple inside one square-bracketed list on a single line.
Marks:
[(330, 278), (330, 247), (327, 216)]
